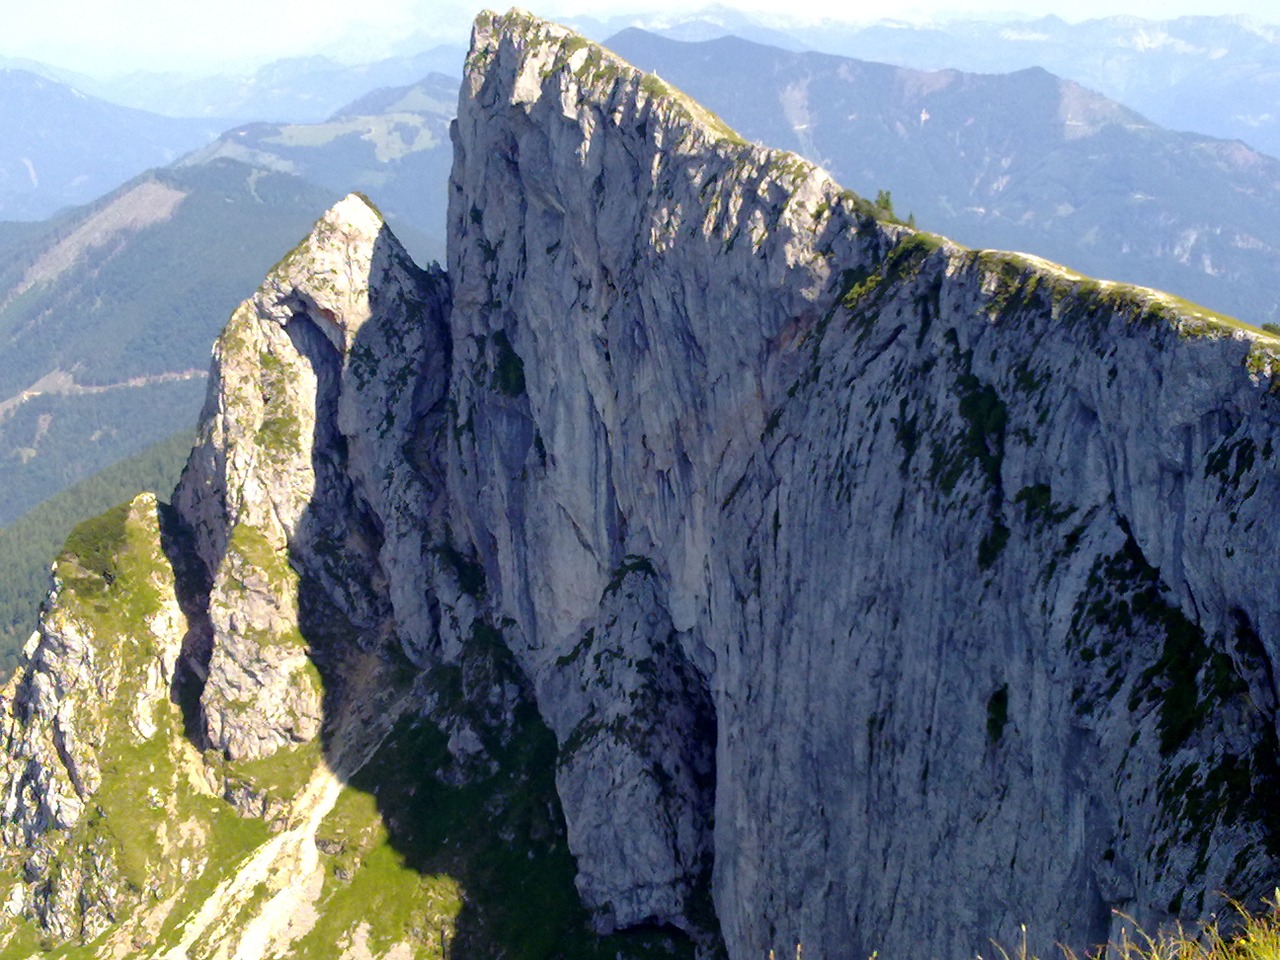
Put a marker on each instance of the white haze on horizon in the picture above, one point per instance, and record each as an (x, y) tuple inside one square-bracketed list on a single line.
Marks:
[(197, 37)]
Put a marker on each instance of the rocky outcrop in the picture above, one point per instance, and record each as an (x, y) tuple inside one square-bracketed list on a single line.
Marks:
[(156, 709), (878, 594), (94, 695), (301, 475), (959, 546)]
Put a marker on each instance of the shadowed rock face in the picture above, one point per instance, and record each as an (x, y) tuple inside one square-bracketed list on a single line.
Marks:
[(300, 455), (890, 593)]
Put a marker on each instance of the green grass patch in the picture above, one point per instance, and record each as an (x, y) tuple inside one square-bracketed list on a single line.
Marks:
[(368, 882), (136, 779), (255, 550), (113, 571), (485, 859), (283, 774), (28, 543)]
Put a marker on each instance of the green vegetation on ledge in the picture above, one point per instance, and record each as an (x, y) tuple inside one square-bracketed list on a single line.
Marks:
[(463, 856), (117, 587), (27, 544), (1022, 280), (1244, 935)]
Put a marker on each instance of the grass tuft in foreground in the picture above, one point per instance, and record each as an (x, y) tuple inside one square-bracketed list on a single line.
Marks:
[(1243, 935)]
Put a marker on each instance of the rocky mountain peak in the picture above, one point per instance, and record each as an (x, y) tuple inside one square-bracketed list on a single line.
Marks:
[(533, 50), (331, 268), (860, 590), (288, 461)]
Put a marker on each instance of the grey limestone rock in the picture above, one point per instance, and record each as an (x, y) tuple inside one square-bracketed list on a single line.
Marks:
[(881, 594), (965, 550), (302, 479), (95, 680)]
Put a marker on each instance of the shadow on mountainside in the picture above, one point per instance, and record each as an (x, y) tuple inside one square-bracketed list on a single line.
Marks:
[(448, 832)]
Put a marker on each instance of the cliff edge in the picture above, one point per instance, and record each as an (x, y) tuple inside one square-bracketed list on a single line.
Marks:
[(856, 589)]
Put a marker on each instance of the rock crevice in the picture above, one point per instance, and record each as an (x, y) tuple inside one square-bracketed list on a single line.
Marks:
[(880, 594)]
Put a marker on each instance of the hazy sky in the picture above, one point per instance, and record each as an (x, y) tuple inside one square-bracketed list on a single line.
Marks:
[(199, 35)]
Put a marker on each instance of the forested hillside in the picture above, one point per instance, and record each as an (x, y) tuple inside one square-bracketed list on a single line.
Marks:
[(107, 314)]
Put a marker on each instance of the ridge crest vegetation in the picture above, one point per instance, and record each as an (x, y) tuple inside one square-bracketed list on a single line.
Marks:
[(696, 570)]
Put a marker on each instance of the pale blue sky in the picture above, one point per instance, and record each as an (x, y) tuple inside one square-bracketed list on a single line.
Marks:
[(201, 36)]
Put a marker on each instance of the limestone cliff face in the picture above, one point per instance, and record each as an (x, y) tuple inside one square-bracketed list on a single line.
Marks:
[(955, 561), (301, 471), (155, 711), (878, 594)]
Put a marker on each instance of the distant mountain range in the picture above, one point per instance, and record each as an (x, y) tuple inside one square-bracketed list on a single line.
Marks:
[(294, 90), (108, 312), (1215, 75), (1218, 76), (392, 143), (703, 23), (62, 147), (1022, 161)]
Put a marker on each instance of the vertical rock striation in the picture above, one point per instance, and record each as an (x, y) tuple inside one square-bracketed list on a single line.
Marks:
[(298, 529), (957, 556), (301, 476), (881, 595)]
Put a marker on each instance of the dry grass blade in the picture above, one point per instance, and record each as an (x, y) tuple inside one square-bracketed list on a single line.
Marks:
[(1252, 936)]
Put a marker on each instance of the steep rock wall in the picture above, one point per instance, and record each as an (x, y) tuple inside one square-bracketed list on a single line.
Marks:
[(881, 594), (301, 475), (299, 530), (964, 550)]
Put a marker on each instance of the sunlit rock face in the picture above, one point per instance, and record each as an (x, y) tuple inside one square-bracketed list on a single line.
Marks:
[(301, 470), (880, 594), (954, 561), (92, 697), (297, 537)]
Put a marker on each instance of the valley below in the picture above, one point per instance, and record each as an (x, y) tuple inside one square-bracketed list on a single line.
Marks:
[(703, 562)]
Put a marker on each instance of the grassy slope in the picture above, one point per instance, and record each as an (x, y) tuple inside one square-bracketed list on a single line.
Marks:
[(445, 857), (28, 544)]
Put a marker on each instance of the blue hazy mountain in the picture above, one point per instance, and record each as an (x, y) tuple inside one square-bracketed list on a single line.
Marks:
[(1023, 161), (294, 90), (64, 147), (391, 143), (1214, 75)]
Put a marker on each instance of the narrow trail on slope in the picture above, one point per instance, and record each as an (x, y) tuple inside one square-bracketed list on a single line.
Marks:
[(63, 384), (289, 863)]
